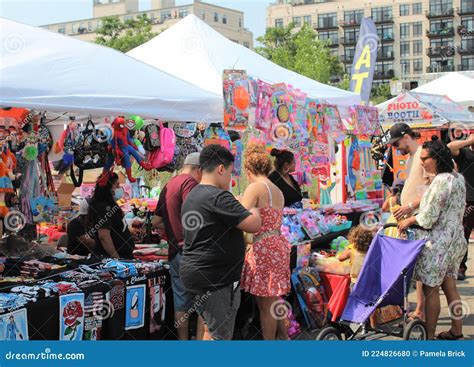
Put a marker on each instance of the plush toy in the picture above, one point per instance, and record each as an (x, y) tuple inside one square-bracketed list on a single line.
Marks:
[(121, 147), (65, 144), (134, 124), (7, 165)]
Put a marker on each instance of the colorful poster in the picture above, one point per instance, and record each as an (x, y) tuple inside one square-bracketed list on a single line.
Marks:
[(14, 325), (96, 310), (71, 317), (236, 99), (157, 303), (135, 307)]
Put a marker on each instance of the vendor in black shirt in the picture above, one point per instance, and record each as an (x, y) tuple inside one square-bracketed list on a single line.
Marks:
[(111, 233), (79, 241), (463, 154), (285, 164)]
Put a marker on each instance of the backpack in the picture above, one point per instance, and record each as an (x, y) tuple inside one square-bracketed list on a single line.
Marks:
[(164, 155), (152, 138)]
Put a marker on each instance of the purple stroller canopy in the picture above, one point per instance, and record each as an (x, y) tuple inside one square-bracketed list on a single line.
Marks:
[(380, 281)]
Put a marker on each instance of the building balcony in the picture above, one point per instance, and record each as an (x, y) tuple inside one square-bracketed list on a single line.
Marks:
[(348, 41), (444, 51), (350, 23), (464, 31), (387, 74), (347, 59), (445, 13), (385, 56), (440, 33), (466, 10), (465, 68), (386, 38), (466, 50), (440, 68), (325, 27), (386, 19)]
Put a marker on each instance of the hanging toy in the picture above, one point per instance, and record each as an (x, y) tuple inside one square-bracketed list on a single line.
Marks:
[(121, 147), (7, 165), (30, 151), (134, 124), (65, 144)]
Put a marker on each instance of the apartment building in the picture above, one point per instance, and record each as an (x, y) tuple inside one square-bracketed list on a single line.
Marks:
[(418, 38), (163, 13)]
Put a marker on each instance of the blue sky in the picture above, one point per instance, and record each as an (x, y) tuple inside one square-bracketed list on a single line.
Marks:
[(39, 12)]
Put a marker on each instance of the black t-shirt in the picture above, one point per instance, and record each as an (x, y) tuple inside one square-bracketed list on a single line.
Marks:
[(465, 162), (292, 194), (111, 217), (214, 248), (76, 229)]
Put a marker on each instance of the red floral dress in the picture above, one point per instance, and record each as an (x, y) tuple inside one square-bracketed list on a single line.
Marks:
[(266, 271)]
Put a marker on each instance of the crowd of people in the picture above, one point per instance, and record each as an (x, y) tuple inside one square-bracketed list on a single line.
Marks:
[(220, 244)]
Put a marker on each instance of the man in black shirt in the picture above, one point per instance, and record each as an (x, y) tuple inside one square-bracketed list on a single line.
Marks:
[(78, 241), (214, 250), (463, 153)]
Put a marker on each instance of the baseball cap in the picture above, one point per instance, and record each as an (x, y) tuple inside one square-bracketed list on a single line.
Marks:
[(192, 159), (398, 131), (83, 207)]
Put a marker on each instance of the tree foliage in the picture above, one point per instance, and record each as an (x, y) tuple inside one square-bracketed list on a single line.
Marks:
[(300, 51), (380, 93), (124, 35)]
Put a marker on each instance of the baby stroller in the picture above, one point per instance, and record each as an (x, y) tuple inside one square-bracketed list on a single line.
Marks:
[(383, 280)]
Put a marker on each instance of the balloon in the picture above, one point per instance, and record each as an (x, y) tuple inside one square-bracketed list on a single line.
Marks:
[(241, 98)]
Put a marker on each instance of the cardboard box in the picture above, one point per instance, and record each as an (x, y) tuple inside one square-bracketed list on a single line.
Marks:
[(64, 193)]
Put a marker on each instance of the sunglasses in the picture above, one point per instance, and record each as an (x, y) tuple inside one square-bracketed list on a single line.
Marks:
[(423, 159)]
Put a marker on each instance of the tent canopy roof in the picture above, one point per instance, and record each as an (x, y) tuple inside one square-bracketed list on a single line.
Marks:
[(48, 71), (458, 87), (195, 52)]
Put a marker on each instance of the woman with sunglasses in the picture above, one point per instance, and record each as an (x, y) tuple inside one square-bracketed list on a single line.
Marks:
[(440, 215)]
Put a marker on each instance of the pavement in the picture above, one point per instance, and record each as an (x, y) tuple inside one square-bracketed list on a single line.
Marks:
[(466, 291)]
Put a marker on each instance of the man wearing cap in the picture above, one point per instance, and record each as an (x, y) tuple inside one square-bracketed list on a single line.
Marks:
[(168, 217), (404, 139), (78, 241)]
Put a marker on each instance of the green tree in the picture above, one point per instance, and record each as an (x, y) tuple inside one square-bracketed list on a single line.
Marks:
[(380, 93), (124, 36), (300, 51)]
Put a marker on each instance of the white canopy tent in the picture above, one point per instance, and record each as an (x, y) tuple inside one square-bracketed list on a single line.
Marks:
[(457, 87), (48, 71), (193, 51)]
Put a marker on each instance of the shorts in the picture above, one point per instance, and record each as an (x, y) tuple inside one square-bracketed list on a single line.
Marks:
[(182, 300), (218, 309)]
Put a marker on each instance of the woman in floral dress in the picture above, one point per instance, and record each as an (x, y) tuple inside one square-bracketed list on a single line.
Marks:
[(440, 214), (266, 271)]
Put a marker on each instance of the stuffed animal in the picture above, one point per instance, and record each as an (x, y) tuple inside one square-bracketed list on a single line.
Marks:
[(121, 147)]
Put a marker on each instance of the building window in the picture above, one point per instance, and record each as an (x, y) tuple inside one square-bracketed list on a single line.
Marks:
[(404, 48), (386, 51), (183, 13), (467, 63), (385, 32), (404, 10), (417, 66), (128, 17), (240, 22), (279, 23), (467, 5), (89, 26), (417, 29), (441, 7), (235, 41), (307, 19), (417, 47), (440, 26), (467, 44), (216, 17), (417, 9), (62, 29), (405, 67), (74, 28), (441, 42), (224, 19), (332, 37), (384, 69), (165, 15), (246, 44), (327, 20), (468, 23), (382, 14), (203, 15), (351, 35), (353, 17), (404, 30), (297, 21)]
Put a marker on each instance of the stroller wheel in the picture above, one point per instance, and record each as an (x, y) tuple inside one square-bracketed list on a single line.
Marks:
[(329, 333), (415, 330)]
